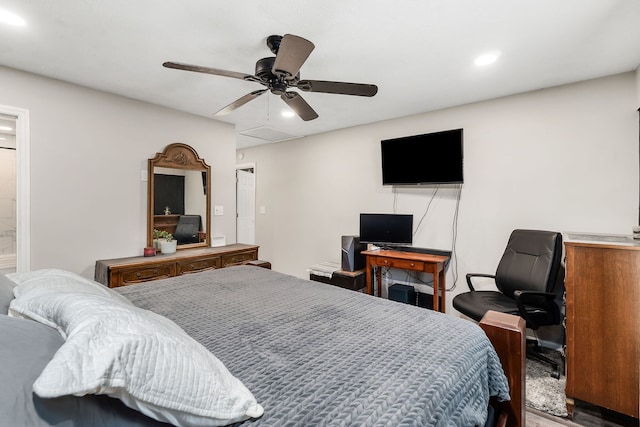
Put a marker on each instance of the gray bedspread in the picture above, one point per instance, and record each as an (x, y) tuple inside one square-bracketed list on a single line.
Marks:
[(316, 355)]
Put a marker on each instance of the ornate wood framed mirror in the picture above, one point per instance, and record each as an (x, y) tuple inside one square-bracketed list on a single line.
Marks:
[(179, 196)]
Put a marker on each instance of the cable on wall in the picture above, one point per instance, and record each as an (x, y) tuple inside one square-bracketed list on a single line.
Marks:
[(454, 238), (395, 200), (426, 210)]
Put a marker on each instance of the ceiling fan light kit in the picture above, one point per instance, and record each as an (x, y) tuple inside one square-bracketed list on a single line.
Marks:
[(281, 72)]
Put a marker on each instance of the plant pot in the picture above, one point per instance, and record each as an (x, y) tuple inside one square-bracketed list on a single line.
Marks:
[(168, 247)]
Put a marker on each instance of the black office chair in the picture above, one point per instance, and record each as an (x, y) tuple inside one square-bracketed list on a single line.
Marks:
[(526, 279), (187, 229)]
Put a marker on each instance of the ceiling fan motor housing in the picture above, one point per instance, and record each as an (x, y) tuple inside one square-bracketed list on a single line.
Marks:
[(277, 85), (264, 67)]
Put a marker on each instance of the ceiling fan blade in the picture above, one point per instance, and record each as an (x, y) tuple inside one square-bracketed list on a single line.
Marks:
[(240, 102), (342, 88), (293, 51), (209, 70), (299, 106)]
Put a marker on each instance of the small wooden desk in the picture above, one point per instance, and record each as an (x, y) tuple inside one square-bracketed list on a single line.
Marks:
[(426, 263)]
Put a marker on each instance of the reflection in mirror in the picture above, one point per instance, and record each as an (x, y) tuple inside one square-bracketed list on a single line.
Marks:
[(178, 196)]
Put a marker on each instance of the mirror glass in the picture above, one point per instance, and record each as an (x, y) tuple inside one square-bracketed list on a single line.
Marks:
[(179, 196)]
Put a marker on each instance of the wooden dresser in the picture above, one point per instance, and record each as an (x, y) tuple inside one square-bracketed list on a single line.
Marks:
[(603, 321), (128, 271)]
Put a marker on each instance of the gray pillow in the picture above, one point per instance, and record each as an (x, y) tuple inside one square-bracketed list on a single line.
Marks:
[(26, 347), (6, 293)]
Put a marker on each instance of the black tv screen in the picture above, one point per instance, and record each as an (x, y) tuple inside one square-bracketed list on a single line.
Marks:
[(386, 229), (431, 158)]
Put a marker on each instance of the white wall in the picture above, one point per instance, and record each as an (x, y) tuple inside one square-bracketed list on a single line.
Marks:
[(638, 86), (564, 158), (88, 149)]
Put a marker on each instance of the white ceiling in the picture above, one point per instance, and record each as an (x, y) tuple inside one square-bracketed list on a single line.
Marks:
[(419, 52)]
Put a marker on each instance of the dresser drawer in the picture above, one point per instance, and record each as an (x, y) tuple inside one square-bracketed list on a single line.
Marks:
[(195, 265), (144, 274), (239, 258), (401, 263)]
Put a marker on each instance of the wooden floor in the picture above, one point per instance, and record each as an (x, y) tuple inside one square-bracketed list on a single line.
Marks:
[(585, 416)]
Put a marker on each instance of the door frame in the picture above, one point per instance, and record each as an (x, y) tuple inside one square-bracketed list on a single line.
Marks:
[(242, 166), (23, 186)]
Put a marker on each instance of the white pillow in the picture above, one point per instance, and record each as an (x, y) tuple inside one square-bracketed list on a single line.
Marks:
[(55, 280), (137, 356)]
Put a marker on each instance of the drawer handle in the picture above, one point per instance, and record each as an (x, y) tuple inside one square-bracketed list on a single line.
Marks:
[(412, 264), (155, 272), (386, 261), (138, 275)]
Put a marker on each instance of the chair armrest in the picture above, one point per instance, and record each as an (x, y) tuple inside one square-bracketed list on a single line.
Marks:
[(470, 275), (542, 300)]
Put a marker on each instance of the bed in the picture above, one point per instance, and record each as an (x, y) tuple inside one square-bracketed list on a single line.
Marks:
[(309, 354)]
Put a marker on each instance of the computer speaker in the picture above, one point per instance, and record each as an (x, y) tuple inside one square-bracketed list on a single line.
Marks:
[(352, 259)]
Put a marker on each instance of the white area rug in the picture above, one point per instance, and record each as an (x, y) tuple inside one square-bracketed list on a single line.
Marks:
[(544, 392)]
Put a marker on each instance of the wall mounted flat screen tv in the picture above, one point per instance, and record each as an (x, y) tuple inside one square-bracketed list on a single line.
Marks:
[(386, 229), (431, 158)]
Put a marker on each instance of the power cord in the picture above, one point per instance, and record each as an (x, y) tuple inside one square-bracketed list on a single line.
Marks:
[(426, 210), (454, 239)]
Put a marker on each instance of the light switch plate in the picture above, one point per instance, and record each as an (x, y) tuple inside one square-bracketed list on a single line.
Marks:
[(218, 210)]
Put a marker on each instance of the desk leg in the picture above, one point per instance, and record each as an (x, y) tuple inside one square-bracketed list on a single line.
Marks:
[(439, 289), (436, 292), (369, 282), (379, 280), (443, 290)]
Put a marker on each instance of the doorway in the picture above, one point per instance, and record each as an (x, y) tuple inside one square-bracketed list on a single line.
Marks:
[(246, 204), (8, 222), (15, 206)]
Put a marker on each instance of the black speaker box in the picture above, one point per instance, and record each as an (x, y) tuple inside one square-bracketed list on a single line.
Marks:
[(426, 300), (402, 293), (352, 259)]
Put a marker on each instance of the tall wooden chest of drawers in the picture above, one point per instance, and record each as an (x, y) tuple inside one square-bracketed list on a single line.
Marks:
[(603, 322)]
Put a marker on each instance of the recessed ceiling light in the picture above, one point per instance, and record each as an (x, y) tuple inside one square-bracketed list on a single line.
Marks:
[(288, 113), (5, 128), (11, 19), (2, 139), (487, 58)]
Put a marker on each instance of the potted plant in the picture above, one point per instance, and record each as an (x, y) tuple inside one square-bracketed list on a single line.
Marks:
[(157, 235), (165, 240)]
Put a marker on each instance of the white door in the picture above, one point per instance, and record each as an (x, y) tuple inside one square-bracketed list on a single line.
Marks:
[(246, 205)]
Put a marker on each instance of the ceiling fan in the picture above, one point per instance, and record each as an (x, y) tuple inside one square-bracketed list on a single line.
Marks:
[(279, 73)]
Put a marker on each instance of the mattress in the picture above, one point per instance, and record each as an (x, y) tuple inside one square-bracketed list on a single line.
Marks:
[(317, 355)]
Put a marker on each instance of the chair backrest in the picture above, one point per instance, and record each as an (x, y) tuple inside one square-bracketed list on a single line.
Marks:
[(189, 221), (530, 262), (187, 229)]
